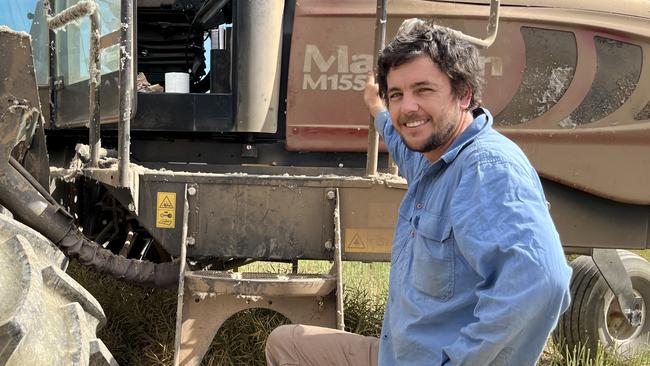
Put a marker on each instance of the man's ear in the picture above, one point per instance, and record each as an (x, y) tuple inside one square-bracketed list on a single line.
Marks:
[(466, 99)]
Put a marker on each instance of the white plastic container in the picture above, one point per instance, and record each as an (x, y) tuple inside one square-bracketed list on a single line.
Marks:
[(177, 82)]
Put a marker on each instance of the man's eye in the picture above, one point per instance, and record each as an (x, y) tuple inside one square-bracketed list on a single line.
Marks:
[(394, 96), (425, 90)]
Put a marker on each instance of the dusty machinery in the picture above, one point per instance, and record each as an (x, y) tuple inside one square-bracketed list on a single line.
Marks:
[(264, 158)]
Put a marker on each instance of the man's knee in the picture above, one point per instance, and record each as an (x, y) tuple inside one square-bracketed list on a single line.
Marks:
[(281, 335), (280, 345)]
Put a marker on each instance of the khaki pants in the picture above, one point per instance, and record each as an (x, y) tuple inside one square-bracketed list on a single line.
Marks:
[(304, 345)]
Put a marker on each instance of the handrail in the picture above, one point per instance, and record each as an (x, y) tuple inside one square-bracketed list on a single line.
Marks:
[(373, 135), (73, 13), (492, 28), (126, 88)]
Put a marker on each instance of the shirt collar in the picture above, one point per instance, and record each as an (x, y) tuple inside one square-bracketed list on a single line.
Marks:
[(482, 122)]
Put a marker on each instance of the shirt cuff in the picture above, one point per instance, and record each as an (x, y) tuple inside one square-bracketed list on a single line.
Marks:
[(380, 121)]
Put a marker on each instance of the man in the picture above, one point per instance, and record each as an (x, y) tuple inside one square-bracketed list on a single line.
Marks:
[(478, 276)]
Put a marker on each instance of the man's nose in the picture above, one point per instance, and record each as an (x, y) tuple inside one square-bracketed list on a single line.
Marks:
[(409, 103)]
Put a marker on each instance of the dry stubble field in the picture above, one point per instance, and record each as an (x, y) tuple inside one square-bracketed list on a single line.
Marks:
[(140, 327)]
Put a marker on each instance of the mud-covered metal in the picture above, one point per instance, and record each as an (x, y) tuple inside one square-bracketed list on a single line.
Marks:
[(73, 14), (271, 216), (23, 195), (338, 262), (551, 57), (19, 103), (180, 294), (207, 298), (127, 94), (260, 284), (47, 317), (212, 298), (28, 206), (31, 208), (617, 75), (611, 268)]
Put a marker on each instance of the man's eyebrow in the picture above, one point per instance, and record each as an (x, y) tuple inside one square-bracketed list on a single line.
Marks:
[(424, 83), (393, 89), (415, 85)]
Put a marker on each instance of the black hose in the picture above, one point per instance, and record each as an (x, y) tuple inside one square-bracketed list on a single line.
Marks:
[(91, 254), (31, 204), (30, 178)]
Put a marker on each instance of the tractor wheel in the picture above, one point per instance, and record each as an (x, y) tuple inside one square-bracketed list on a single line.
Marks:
[(46, 317), (595, 316)]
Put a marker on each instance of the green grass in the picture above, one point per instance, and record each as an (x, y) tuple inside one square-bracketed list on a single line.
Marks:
[(582, 356), (141, 322)]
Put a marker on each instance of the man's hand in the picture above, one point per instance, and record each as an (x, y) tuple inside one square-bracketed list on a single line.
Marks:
[(371, 96)]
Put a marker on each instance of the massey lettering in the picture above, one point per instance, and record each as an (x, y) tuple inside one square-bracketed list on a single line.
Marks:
[(337, 71), (341, 71)]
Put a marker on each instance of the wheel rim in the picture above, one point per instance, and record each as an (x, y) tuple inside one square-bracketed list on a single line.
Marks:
[(619, 334), (618, 328)]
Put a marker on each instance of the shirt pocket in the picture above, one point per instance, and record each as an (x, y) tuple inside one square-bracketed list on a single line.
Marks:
[(433, 262)]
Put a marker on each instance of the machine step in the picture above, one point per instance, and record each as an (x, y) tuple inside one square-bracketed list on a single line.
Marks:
[(259, 284)]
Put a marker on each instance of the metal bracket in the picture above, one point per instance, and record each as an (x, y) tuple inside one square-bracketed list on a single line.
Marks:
[(249, 151), (58, 83), (611, 267)]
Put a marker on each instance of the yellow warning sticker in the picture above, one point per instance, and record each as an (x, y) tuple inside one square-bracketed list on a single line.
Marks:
[(166, 210), (368, 240)]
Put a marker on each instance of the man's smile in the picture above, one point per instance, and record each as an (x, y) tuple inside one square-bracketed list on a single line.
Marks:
[(417, 122)]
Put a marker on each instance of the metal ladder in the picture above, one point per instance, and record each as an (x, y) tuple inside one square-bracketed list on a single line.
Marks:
[(206, 299)]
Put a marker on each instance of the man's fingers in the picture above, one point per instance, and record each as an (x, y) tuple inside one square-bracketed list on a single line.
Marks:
[(371, 86), (371, 77), (371, 96)]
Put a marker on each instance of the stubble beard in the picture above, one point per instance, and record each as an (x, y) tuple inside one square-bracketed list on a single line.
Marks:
[(434, 141)]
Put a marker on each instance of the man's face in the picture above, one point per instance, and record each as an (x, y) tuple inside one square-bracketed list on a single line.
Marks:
[(421, 104)]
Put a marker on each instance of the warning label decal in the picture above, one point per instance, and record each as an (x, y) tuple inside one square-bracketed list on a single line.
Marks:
[(368, 240), (166, 210), (356, 243)]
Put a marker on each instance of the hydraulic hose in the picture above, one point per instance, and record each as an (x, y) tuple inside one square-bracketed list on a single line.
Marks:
[(20, 196), (91, 254)]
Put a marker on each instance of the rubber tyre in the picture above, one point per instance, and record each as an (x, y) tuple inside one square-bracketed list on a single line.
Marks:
[(594, 315), (46, 317)]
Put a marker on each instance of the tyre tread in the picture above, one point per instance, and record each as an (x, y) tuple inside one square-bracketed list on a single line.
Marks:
[(43, 294), (579, 325)]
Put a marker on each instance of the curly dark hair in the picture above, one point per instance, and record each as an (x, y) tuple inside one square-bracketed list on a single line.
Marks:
[(455, 57)]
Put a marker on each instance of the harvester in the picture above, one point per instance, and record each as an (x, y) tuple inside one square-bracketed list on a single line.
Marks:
[(168, 142)]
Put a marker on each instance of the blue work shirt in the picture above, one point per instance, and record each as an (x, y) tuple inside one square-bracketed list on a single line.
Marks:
[(478, 276)]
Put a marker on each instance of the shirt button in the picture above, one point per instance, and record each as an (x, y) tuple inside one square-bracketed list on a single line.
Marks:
[(419, 205), (412, 234)]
